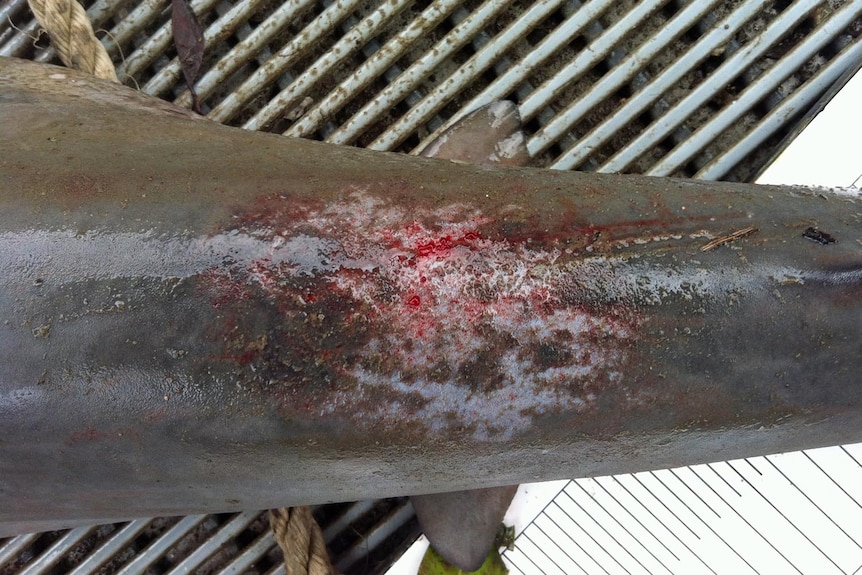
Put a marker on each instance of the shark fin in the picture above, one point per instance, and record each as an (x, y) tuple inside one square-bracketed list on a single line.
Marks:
[(461, 525), (490, 135)]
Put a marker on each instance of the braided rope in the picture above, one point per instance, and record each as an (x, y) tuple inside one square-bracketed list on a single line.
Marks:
[(301, 541), (72, 36)]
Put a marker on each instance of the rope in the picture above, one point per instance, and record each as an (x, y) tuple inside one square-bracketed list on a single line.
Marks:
[(301, 541), (72, 36)]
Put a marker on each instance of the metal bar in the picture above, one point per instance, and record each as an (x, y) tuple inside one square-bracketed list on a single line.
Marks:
[(552, 509), (98, 13), (354, 512), (744, 519), (375, 537), (801, 99), (155, 45), (202, 552), (225, 25), (699, 497), (11, 8), (545, 544), (838, 485), (375, 66), (253, 44), (276, 65), (251, 555), (441, 94), (519, 72), (700, 94), (160, 546), (599, 50), (627, 511), (556, 537), (624, 72), (652, 514), (529, 557), (108, 549), (141, 16), (46, 561), (817, 506), (756, 91), (777, 510), (565, 504), (605, 530), (13, 547), (649, 93), (418, 70), (349, 43), (21, 42)]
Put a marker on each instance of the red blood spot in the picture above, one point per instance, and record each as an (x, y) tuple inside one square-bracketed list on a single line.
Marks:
[(414, 301), (426, 248), (471, 236), (423, 279), (310, 298)]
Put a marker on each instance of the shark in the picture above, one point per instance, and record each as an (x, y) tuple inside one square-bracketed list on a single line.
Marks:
[(198, 318)]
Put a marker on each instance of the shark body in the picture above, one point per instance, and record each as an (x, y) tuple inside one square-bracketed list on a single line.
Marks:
[(198, 318)]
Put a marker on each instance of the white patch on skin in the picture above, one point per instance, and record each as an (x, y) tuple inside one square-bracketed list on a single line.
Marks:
[(451, 296), (467, 332), (471, 333)]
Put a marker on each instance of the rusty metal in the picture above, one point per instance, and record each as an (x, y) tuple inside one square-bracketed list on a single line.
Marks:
[(211, 319)]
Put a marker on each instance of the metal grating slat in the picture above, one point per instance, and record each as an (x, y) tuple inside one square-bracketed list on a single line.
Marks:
[(625, 72), (281, 60), (801, 99), (758, 90), (375, 537), (518, 73), (374, 66), (252, 554), (740, 60), (227, 532), (600, 49), (359, 35), (640, 101), (161, 545), (154, 46), (436, 98), (46, 561), (13, 547), (409, 80), (221, 28), (113, 546)]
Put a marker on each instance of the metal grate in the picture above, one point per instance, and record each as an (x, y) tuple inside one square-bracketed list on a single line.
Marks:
[(361, 537), (704, 88)]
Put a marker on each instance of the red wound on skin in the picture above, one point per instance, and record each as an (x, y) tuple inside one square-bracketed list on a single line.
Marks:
[(498, 332)]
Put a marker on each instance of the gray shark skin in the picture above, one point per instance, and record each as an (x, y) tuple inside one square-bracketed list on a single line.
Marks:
[(197, 318)]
